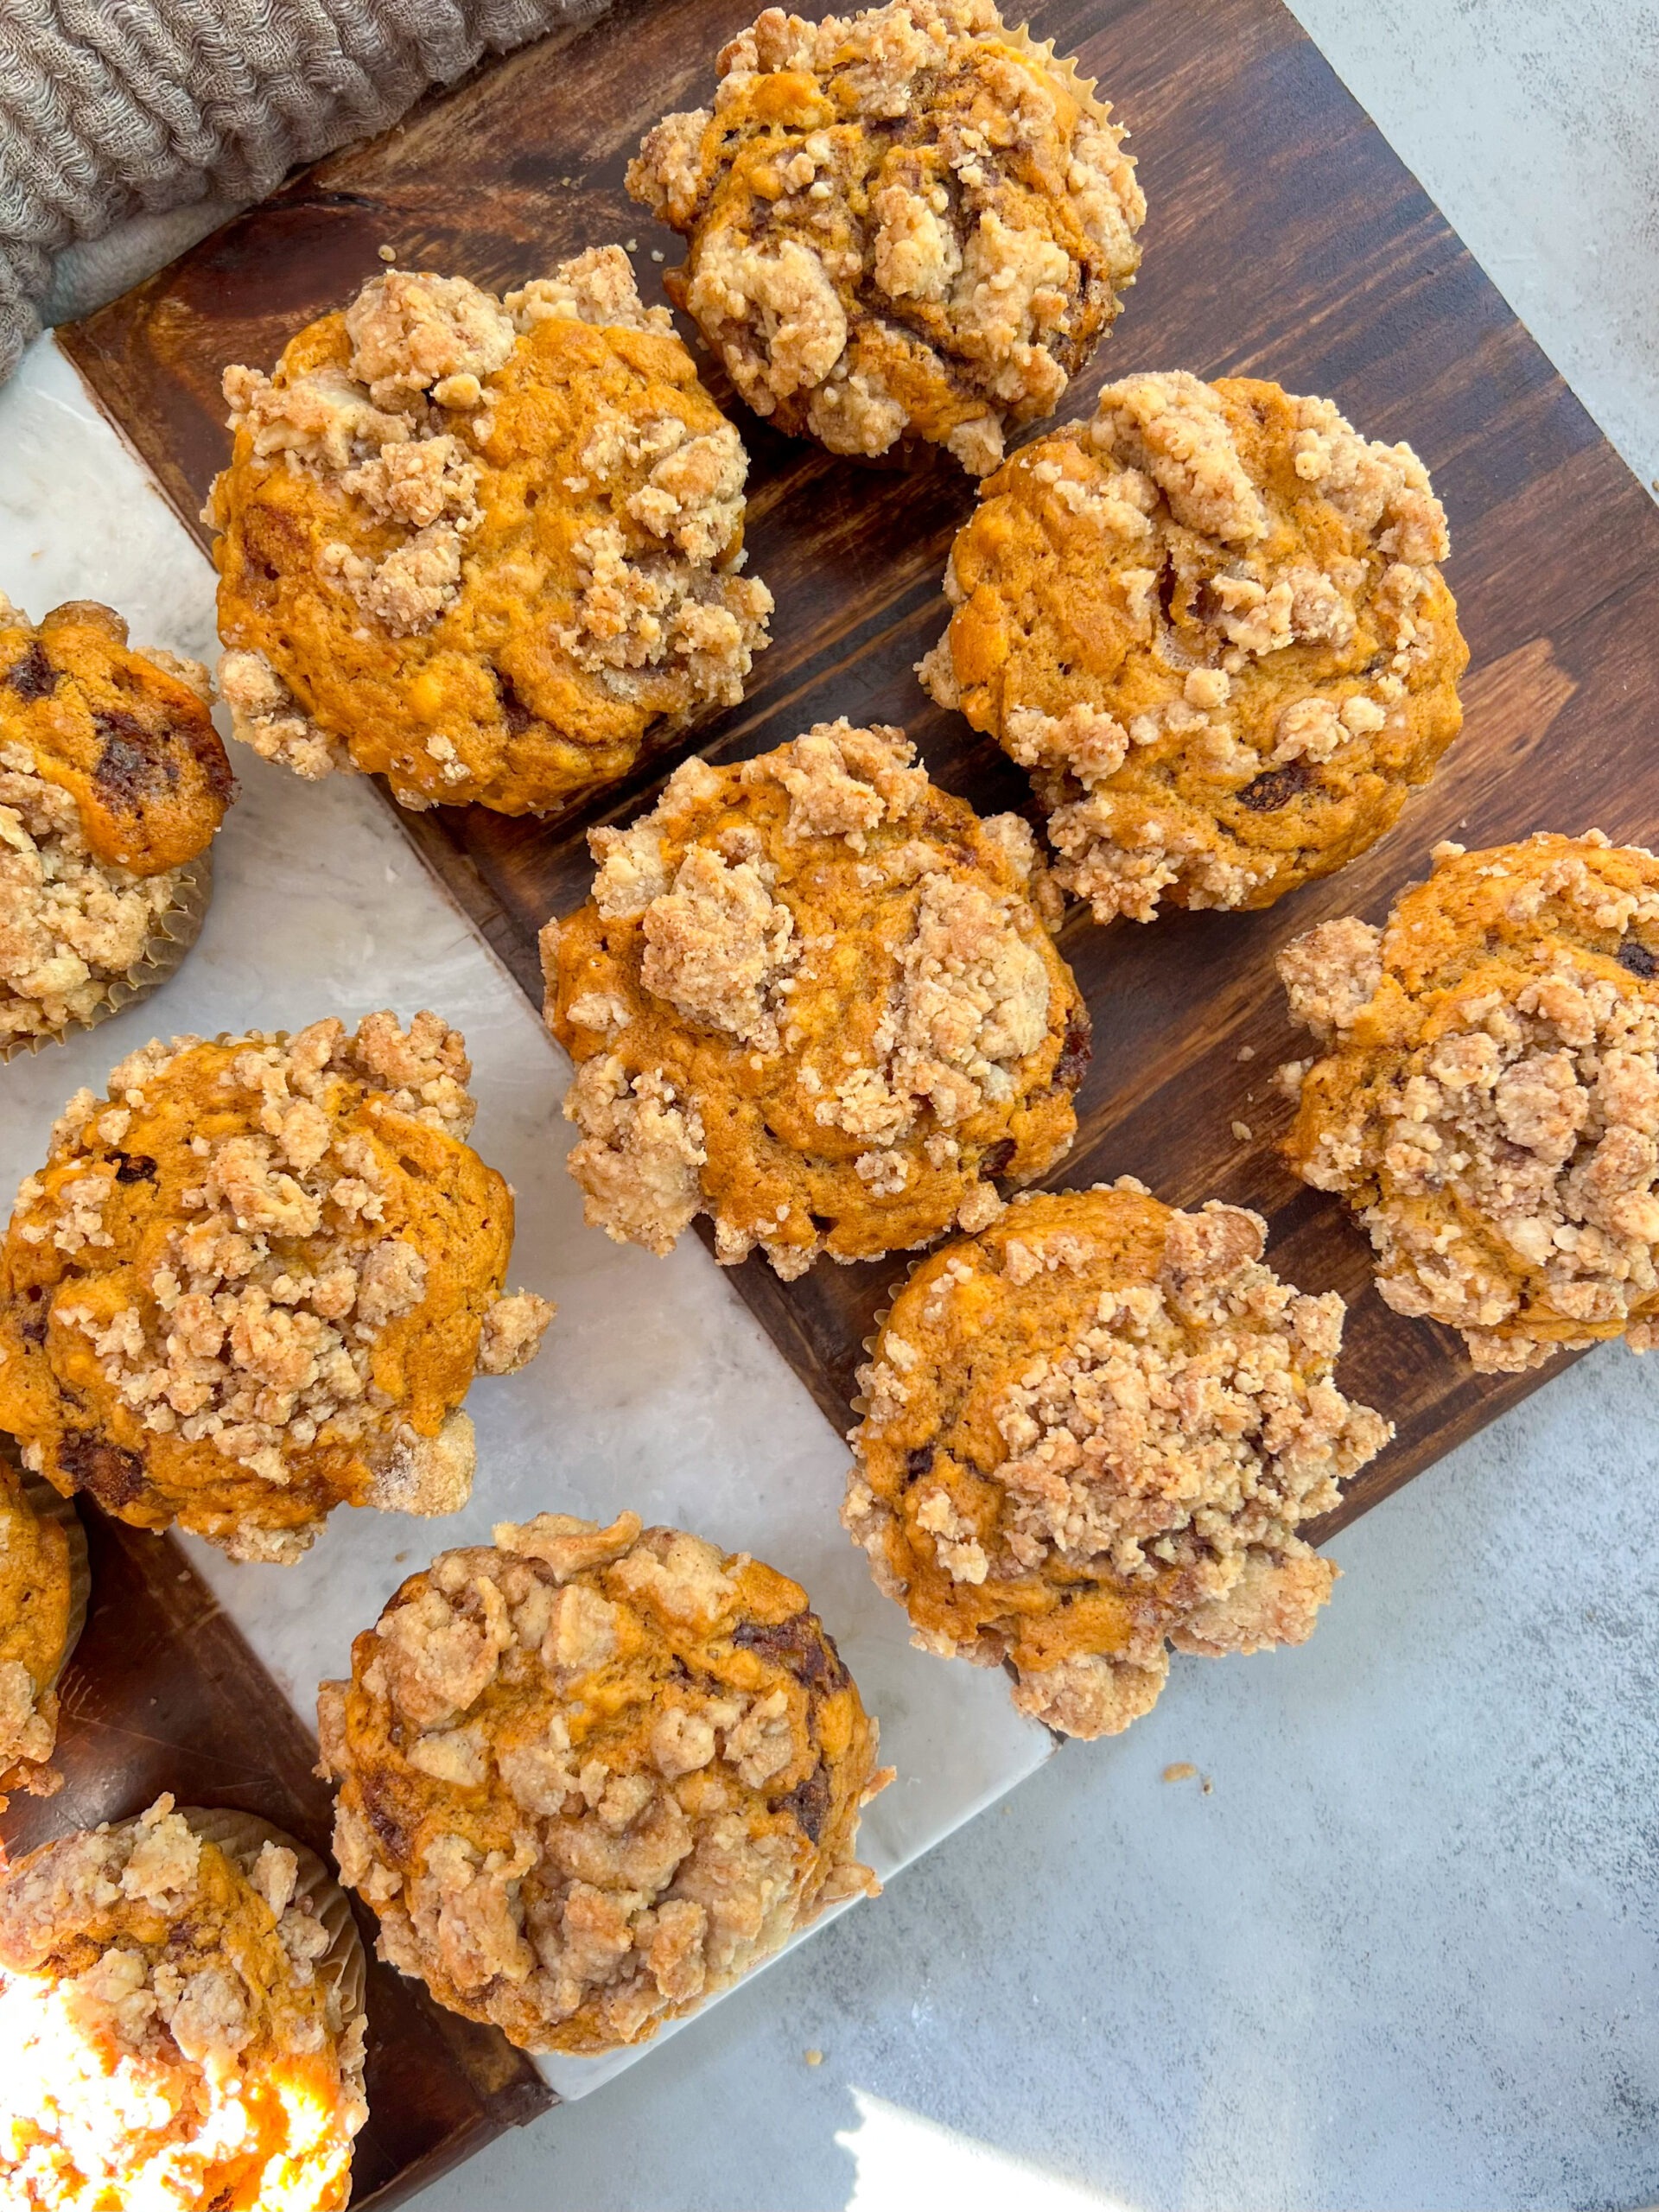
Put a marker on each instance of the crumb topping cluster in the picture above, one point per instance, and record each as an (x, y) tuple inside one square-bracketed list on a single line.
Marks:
[(1488, 1099), (1243, 649), (249, 1310), (170, 2037), (1095, 1431), (590, 1775), (418, 429), (746, 909), (913, 219)]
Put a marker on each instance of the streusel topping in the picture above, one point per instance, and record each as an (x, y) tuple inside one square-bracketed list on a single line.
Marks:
[(1091, 1431), (591, 1775), (480, 544), (910, 221), (1487, 1096), (1211, 624), (815, 998), (256, 1279), (169, 2036)]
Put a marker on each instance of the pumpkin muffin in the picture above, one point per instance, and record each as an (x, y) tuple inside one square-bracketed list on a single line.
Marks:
[(1091, 1431), (591, 1777), (112, 783), (44, 1583), (181, 2006), (815, 997), (910, 223), (255, 1282), (1211, 623), (1486, 1095), (481, 546)]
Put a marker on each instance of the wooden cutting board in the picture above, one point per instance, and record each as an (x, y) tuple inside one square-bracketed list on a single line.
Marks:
[(1284, 239)]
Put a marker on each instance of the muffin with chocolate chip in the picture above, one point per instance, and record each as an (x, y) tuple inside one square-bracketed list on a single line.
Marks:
[(589, 1776), (817, 998), (181, 2011), (255, 1282), (915, 222), (1485, 1093), (44, 1586), (481, 547), (1211, 623), (112, 784), (1092, 1432)]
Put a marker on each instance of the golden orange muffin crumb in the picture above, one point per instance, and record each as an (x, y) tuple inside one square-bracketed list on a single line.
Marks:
[(910, 222), (1486, 1093), (1091, 1431), (480, 546), (180, 2027), (42, 1600), (816, 997), (590, 1776), (1210, 622), (112, 782), (255, 1282)]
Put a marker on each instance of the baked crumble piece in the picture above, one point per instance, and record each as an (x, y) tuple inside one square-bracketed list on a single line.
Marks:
[(815, 998), (255, 1282), (912, 222), (589, 1777), (42, 1598), (1485, 1093), (481, 545), (1211, 624), (1091, 1431)]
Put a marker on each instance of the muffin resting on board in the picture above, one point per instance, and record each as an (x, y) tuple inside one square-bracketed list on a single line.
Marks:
[(1091, 1431), (589, 1777), (816, 997), (44, 1586), (479, 546), (255, 1282), (1211, 623), (1486, 1092), (911, 222)]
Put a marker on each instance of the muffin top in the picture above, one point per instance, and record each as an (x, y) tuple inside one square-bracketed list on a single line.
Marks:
[(590, 1775), (1093, 1430), (35, 1610), (1487, 1092), (169, 2037), (909, 222), (1211, 623), (256, 1279), (480, 546), (814, 996), (113, 781)]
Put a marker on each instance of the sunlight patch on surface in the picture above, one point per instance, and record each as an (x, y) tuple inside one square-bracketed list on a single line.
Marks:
[(904, 2161)]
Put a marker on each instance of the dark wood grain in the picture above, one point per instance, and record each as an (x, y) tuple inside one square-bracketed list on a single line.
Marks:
[(1285, 239), (163, 1694)]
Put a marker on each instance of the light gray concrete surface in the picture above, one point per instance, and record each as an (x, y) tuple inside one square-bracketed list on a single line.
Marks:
[(1405, 1952)]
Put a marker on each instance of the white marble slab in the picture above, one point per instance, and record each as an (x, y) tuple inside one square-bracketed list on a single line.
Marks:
[(655, 1389)]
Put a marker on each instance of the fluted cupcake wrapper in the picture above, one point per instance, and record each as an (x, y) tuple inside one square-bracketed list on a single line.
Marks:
[(172, 934)]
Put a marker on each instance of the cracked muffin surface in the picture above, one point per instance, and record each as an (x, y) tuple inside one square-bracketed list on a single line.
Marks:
[(1486, 1094), (590, 1775), (1090, 1433), (112, 782), (37, 1596), (256, 1280), (481, 546), (1211, 623), (817, 998), (173, 2035), (912, 222)]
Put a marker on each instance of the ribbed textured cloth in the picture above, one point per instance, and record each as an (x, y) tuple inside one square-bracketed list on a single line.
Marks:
[(112, 108)]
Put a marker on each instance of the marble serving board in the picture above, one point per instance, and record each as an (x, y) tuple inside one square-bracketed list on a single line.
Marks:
[(656, 1389)]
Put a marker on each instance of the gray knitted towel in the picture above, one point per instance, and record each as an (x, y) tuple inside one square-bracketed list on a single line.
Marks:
[(110, 109)]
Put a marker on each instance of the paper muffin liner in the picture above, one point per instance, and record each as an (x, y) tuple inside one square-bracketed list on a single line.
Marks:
[(241, 1836), (46, 1504), (172, 934)]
